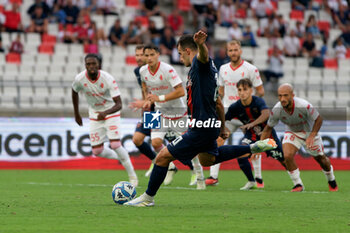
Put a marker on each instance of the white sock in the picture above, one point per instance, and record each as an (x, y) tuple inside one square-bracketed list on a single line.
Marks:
[(197, 168), (147, 197), (171, 166), (108, 153), (126, 162), (329, 175), (214, 170), (295, 176), (257, 167)]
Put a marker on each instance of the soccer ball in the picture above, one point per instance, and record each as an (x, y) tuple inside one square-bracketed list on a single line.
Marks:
[(123, 192)]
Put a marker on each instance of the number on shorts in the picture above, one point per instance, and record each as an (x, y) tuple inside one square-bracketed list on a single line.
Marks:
[(94, 137), (176, 141)]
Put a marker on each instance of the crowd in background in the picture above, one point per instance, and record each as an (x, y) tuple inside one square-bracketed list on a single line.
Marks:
[(73, 18)]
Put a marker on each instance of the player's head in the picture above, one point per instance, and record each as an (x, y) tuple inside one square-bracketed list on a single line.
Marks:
[(151, 53), (285, 95), (92, 64), (245, 88), (234, 50), (187, 49), (99, 58), (140, 59)]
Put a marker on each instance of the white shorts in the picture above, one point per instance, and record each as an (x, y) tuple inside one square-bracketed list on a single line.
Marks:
[(233, 125), (167, 127), (100, 131), (316, 150)]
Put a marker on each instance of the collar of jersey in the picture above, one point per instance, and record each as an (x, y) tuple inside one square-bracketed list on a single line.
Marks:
[(154, 71), (92, 81)]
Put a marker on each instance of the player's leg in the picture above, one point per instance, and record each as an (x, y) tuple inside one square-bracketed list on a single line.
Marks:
[(157, 177), (198, 171), (245, 166), (157, 137), (256, 162), (112, 126), (213, 179), (138, 139), (144, 147), (290, 148), (317, 152)]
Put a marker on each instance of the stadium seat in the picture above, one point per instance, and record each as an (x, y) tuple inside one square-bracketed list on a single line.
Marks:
[(221, 33), (296, 15), (158, 20), (11, 69), (241, 13), (46, 49), (324, 25), (133, 3), (130, 60), (330, 63), (143, 19), (48, 39), (14, 58), (329, 74), (184, 5), (32, 38)]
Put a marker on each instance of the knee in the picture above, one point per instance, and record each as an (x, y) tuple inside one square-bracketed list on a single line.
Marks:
[(157, 144), (97, 150), (164, 158), (115, 144), (137, 141)]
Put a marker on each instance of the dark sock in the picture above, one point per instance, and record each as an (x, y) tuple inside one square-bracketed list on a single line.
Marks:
[(157, 177), (231, 152), (246, 168), (145, 149), (188, 163)]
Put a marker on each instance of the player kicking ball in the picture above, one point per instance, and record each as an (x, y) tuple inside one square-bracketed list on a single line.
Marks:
[(103, 97), (253, 113), (204, 105), (303, 123)]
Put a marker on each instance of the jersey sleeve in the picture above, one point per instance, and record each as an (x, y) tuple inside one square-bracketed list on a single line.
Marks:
[(231, 112), (274, 117), (261, 103), (312, 112), (221, 81), (255, 77), (76, 86), (173, 77), (113, 87)]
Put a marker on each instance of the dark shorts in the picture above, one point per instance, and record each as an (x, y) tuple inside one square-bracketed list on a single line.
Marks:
[(194, 142), (276, 153), (139, 128)]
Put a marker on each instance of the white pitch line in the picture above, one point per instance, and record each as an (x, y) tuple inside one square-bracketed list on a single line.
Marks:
[(162, 187)]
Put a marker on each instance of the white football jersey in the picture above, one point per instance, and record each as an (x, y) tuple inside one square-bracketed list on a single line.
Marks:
[(300, 121), (99, 93), (229, 77), (162, 82)]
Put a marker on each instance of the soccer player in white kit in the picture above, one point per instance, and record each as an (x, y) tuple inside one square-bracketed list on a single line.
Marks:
[(229, 75), (162, 86), (303, 123), (103, 97)]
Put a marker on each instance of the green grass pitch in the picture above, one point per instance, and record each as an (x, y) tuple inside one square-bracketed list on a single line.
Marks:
[(80, 201)]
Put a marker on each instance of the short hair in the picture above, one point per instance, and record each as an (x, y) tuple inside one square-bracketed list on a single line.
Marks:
[(233, 42), (151, 46), (98, 57), (187, 41), (140, 46), (245, 82)]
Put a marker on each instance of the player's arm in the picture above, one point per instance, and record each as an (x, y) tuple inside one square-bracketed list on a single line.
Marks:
[(221, 115), (315, 129), (221, 91), (203, 54), (266, 132), (115, 108), (259, 91), (75, 100), (178, 92), (264, 116)]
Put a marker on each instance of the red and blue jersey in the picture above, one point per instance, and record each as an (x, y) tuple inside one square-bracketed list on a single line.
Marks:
[(202, 90)]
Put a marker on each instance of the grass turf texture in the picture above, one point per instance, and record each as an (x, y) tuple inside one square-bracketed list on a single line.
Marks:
[(80, 201)]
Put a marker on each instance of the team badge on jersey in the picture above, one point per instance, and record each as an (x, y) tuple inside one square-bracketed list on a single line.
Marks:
[(152, 120)]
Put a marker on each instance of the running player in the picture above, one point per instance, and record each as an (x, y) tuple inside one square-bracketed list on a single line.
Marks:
[(205, 108), (140, 131), (229, 75), (163, 87), (303, 123), (253, 113), (103, 97)]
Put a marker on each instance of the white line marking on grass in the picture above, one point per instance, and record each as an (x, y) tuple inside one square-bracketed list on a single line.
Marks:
[(315, 192), (99, 185)]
